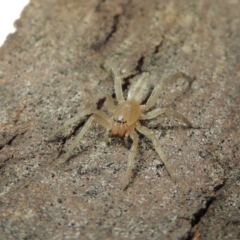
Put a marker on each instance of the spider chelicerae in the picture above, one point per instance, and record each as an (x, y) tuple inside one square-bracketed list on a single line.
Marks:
[(125, 118)]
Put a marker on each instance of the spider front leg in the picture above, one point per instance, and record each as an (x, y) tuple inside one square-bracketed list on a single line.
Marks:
[(131, 157), (77, 118), (102, 120), (150, 134), (159, 88), (160, 111), (108, 102)]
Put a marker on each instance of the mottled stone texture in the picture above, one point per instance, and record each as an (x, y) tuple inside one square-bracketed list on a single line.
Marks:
[(55, 64)]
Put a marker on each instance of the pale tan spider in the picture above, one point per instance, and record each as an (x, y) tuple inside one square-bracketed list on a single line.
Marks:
[(126, 116)]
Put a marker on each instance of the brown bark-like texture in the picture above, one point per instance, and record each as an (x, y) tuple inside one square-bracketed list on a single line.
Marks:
[(56, 63)]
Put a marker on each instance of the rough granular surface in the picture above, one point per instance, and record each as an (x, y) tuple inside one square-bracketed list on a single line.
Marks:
[(55, 64)]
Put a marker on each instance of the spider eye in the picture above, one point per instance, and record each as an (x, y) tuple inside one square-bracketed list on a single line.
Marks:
[(120, 119)]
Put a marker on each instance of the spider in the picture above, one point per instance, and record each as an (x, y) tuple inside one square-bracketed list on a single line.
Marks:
[(126, 116)]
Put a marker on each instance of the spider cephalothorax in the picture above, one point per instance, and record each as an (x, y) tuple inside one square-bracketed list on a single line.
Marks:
[(126, 116)]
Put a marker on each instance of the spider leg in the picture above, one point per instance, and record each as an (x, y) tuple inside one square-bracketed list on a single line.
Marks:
[(97, 118), (126, 139), (150, 134), (159, 87), (77, 118), (160, 111), (117, 84), (131, 157), (108, 103)]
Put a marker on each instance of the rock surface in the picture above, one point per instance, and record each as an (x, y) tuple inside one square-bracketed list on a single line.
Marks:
[(54, 65)]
